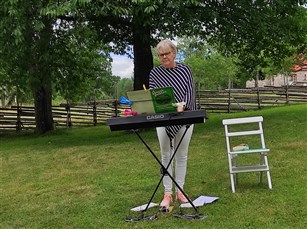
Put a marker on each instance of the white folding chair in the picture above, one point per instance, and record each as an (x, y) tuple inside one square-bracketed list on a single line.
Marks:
[(246, 129)]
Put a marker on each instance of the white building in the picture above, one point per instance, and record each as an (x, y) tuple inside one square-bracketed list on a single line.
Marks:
[(297, 77)]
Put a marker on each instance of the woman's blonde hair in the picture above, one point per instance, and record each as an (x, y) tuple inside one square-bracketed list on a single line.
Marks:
[(166, 44)]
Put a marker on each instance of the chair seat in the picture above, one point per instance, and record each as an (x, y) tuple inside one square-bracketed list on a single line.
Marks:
[(259, 150)]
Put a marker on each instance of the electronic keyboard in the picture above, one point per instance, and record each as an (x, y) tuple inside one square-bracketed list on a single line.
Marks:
[(156, 120)]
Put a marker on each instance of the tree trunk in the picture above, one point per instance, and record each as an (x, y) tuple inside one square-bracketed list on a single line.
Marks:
[(41, 79), (143, 60), (43, 108)]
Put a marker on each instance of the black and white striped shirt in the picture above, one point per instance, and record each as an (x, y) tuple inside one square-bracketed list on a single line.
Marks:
[(180, 78)]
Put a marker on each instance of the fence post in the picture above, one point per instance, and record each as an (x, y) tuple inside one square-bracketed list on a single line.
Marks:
[(258, 98), (229, 94), (68, 118), (258, 92), (95, 113), (229, 101), (18, 122), (198, 94), (115, 104), (287, 93)]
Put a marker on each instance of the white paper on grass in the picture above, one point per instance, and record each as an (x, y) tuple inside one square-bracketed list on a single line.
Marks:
[(142, 207), (200, 201)]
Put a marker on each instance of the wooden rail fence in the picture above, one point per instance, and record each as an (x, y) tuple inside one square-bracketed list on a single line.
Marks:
[(233, 100), (64, 115), (97, 112)]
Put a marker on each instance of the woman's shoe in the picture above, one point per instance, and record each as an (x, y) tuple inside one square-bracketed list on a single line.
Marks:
[(166, 202), (181, 198)]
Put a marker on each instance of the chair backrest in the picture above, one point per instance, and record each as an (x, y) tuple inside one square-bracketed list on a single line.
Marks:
[(242, 120), (250, 131)]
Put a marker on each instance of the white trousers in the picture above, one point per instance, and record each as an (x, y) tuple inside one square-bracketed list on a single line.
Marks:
[(180, 158)]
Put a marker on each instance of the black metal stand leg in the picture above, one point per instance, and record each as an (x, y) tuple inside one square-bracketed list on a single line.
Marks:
[(165, 172), (157, 159), (143, 217)]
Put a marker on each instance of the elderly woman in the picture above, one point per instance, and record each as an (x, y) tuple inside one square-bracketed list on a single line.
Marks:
[(180, 78)]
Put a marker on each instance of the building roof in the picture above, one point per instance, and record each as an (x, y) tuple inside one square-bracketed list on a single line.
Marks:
[(300, 67)]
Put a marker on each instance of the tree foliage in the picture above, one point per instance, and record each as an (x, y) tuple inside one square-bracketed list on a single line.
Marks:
[(123, 86), (262, 31), (210, 68), (53, 44), (46, 49), (82, 69), (254, 31)]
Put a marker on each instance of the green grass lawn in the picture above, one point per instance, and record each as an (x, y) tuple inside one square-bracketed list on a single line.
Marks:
[(91, 177)]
